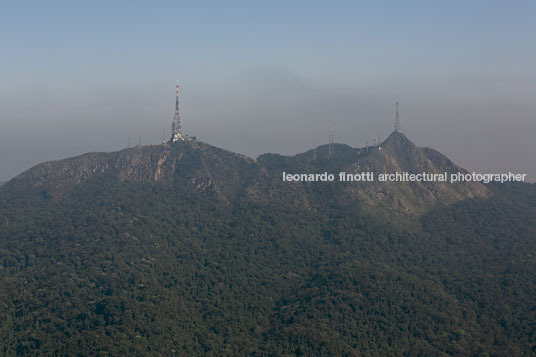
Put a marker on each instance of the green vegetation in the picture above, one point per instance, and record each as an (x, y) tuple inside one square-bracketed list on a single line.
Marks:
[(252, 267)]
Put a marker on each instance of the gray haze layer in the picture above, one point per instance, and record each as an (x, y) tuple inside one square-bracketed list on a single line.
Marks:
[(484, 125)]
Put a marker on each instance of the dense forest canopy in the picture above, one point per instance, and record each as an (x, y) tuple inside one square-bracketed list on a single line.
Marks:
[(191, 250)]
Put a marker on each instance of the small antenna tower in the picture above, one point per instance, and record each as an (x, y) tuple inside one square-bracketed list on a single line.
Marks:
[(331, 137), (367, 144), (164, 136), (378, 140), (397, 120), (314, 146)]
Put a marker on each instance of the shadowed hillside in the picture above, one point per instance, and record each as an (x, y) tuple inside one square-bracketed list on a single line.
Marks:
[(188, 249)]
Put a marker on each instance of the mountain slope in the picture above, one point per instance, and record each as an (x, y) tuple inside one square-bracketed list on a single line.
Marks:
[(398, 154), (395, 154), (187, 163), (188, 249), (231, 177)]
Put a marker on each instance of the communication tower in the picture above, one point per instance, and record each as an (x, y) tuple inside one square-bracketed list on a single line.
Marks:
[(331, 139), (397, 120), (176, 127), (314, 146)]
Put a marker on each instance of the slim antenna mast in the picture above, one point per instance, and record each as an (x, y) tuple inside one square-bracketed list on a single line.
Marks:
[(314, 146), (330, 139), (164, 136), (397, 120)]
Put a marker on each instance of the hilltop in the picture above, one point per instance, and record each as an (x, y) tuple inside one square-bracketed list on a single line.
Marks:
[(189, 249), (201, 167), (396, 154)]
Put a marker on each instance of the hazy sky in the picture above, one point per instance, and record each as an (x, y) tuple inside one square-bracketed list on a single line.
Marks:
[(79, 76)]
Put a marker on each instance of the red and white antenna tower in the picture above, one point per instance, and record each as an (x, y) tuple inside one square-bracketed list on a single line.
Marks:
[(176, 127)]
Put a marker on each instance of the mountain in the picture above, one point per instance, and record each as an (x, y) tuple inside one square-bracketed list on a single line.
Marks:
[(202, 167), (189, 163), (396, 154), (188, 249)]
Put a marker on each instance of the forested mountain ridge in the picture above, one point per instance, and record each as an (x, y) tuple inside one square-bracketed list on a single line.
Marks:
[(396, 154), (188, 249), (203, 167), (194, 164)]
